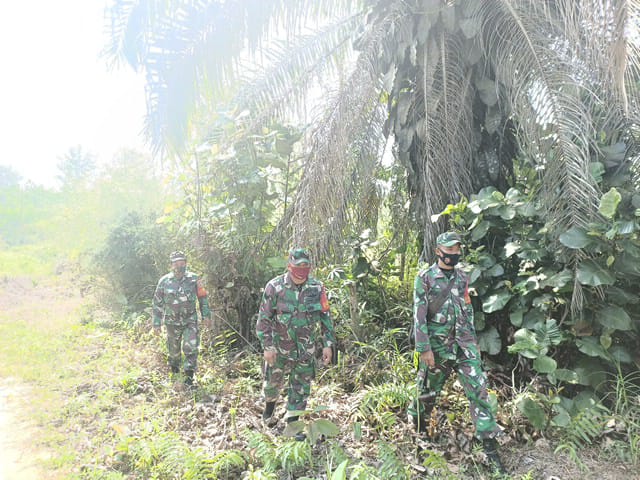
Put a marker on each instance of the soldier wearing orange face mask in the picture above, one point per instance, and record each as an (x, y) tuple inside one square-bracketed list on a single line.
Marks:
[(294, 307)]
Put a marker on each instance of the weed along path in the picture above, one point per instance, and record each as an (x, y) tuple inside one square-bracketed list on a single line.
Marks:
[(34, 316)]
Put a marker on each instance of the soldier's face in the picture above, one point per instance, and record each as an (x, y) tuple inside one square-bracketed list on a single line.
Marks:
[(179, 267), (450, 250), (299, 273)]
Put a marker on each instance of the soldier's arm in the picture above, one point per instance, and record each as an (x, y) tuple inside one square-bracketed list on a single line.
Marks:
[(158, 304), (203, 300), (420, 307), (264, 325), (469, 307), (326, 323)]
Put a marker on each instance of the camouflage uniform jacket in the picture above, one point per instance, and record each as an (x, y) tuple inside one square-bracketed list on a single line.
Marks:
[(452, 326), (175, 300), (289, 316)]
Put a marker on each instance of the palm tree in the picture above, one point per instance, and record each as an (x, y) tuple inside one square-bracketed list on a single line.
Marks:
[(459, 88)]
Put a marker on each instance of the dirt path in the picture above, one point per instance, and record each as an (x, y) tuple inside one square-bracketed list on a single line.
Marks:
[(39, 304), (18, 454)]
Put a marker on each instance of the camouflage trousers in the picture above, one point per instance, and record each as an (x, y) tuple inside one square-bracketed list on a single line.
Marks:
[(183, 339), (473, 381), (300, 375)]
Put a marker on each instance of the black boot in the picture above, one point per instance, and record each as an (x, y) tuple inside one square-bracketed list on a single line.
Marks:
[(490, 447), (420, 414), (267, 414), (188, 378), (300, 436)]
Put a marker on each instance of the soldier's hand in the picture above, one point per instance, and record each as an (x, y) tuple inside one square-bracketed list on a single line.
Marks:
[(208, 322), (327, 355), (427, 357), (157, 329), (270, 357)]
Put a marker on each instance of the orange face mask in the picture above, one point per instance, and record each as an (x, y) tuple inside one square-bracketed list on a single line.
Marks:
[(299, 273)]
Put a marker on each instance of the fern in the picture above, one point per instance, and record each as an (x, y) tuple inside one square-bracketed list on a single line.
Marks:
[(391, 466), (585, 426), (263, 449), (166, 455), (380, 403), (294, 455), (228, 462)]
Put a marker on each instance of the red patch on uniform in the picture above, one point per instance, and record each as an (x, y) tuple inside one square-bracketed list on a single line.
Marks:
[(201, 292), (324, 301)]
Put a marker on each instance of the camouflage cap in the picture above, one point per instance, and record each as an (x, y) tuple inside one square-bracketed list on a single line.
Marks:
[(448, 239), (298, 256), (177, 255)]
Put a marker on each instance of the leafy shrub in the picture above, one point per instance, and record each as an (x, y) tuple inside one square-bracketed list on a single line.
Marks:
[(133, 258)]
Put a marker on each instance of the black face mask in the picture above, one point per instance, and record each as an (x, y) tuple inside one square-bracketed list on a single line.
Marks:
[(180, 270), (450, 259)]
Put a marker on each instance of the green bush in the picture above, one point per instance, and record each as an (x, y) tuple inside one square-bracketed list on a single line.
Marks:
[(133, 259)]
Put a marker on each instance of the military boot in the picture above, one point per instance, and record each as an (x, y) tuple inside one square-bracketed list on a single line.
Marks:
[(300, 436), (267, 414), (490, 447), (420, 412), (188, 378)]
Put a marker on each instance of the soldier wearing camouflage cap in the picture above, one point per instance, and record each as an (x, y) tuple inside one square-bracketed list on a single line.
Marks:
[(294, 307), (446, 340), (177, 296)]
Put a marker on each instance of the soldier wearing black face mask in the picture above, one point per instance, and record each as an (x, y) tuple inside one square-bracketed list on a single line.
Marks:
[(446, 341), (175, 302)]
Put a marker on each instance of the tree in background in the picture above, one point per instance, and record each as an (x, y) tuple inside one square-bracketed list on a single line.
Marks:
[(9, 177), (77, 168)]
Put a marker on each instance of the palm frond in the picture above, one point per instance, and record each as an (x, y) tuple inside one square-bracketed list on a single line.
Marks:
[(293, 68), (344, 148), (554, 124)]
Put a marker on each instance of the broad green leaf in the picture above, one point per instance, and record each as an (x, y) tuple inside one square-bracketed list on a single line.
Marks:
[(597, 171), (609, 203), (620, 354), (544, 364), (511, 248), (559, 280), (614, 317), (564, 375), (534, 412), (326, 427), (526, 344), (489, 341), (340, 473), (575, 238), (562, 419), (480, 231), (507, 212), (592, 273), (591, 346), (495, 271), (496, 302), (293, 428), (516, 318)]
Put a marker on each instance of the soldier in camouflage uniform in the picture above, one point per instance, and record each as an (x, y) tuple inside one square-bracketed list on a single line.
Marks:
[(294, 305), (446, 340), (176, 298)]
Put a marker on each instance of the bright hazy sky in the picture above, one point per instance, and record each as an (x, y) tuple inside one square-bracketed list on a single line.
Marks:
[(55, 90)]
